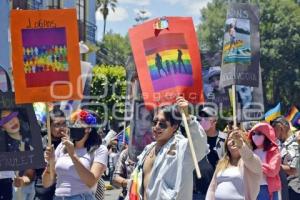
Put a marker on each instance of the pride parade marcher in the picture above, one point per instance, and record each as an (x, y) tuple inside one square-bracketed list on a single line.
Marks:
[(122, 173), (263, 140), (216, 141), (165, 167), (238, 173), (289, 150), (79, 161), (58, 128)]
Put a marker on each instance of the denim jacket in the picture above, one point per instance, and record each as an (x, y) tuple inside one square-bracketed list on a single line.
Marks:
[(172, 174)]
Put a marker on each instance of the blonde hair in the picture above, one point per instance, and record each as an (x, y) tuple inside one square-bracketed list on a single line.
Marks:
[(225, 161)]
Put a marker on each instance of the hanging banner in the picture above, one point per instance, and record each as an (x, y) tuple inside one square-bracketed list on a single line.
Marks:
[(240, 60), (45, 55), (167, 60)]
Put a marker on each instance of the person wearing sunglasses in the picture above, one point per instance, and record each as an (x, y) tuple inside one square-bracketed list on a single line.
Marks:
[(263, 140), (165, 167), (58, 127)]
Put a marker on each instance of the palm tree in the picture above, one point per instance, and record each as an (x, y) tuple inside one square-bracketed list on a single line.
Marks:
[(104, 6)]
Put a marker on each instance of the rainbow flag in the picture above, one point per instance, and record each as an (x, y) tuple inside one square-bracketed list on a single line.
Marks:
[(124, 139), (273, 113), (135, 186), (293, 116)]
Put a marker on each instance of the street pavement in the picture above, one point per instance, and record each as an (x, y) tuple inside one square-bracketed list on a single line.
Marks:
[(111, 194)]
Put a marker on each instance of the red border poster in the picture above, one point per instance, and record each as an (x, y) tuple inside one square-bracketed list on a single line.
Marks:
[(167, 61)]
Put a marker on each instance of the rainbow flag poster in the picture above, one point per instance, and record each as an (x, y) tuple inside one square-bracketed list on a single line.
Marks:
[(46, 60), (169, 65), (167, 61)]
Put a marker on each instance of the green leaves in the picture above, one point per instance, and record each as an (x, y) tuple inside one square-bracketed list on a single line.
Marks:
[(109, 89), (280, 45)]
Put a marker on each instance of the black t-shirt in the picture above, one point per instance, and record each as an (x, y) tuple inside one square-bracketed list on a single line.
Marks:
[(207, 167), (42, 193), (213, 155)]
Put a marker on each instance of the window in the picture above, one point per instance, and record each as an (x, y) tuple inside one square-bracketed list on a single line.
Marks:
[(54, 4), (81, 6)]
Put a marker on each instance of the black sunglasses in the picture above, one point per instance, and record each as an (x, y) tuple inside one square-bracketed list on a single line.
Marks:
[(161, 125)]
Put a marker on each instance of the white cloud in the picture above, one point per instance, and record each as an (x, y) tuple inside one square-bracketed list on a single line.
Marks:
[(193, 7), (120, 14), (136, 2)]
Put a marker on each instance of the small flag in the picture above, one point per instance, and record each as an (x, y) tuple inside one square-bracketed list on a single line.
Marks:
[(296, 121), (161, 23), (124, 138), (134, 189), (273, 113), (291, 114), (40, 112)]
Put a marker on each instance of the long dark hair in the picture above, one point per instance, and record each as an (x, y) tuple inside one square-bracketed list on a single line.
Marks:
[(24, 126), (171, 114), (94, 140)]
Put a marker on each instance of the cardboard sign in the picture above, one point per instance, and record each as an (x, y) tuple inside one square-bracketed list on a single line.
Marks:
[(24, 151), (167, 61), (240, 63), (45, 55)]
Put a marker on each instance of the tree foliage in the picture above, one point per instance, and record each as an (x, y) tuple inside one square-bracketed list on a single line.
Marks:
[(113, 50), (108, 89), (280, 45), (104, 6)]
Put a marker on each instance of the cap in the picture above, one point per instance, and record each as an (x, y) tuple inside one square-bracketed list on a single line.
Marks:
[(282, 120), (214, 71), (208, 112)]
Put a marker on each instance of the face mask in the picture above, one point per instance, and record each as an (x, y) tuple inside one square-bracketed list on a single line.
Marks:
[(258, 139), (206, 124), (77, 134)]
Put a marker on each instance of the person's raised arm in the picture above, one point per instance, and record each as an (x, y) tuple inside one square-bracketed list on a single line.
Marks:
[(48, 175), (198, 135), (88, 176)]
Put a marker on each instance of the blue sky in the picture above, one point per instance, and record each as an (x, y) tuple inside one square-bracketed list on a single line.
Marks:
[(123, 18)]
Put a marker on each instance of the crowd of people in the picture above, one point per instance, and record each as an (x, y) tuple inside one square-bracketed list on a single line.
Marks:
[(258, 162)]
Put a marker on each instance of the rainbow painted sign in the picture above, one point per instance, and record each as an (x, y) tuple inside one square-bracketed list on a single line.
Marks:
[(169, 65), (167, 61)]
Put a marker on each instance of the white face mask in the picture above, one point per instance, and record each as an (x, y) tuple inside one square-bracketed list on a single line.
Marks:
[(205, 123), (258, 139)]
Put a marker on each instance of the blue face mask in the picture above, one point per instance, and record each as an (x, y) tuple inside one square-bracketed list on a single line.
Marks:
[(77, 134)]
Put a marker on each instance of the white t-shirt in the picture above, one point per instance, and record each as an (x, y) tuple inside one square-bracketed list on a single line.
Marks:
[(230, 185), (68, 181), (7, 174), (262, 156)]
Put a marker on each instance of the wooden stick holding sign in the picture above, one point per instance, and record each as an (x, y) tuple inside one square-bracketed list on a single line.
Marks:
[(187, 130), (234, 106), (49, 144)]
